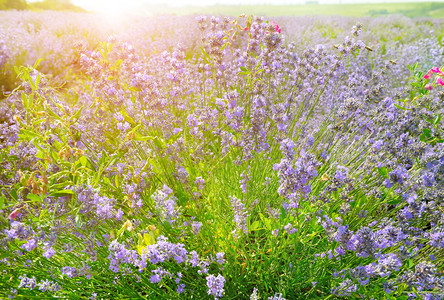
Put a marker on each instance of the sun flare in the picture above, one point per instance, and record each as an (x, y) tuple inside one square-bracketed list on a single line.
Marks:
[(113, 12)]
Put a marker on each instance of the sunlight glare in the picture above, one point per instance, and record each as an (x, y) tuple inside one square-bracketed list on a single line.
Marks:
[(113, 12)]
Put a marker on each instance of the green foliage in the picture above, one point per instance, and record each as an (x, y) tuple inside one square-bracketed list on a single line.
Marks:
[(408, 9), (13, 4), (279, 248), (59, 5)]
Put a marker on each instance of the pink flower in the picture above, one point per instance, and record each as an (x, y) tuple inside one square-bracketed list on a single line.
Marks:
[(246, 28), (14, 214), (436, 70), (277, 28), (427, 76), (428, 87), (440, 81)]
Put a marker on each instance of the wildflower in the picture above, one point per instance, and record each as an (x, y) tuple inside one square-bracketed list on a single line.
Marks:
[(440, 81), (194, 259), (254, 295), (180, 288), (29, 283), (345, 288), (428, 87), (14, 214), (436, 70), (277, 296), (240, 214), (196, 227), (119, 214), (49, 252), (200, 183), (155, 278), (71, 272), (220, 258), (30, 245), (165, 204), (215, 285), (48, 285)]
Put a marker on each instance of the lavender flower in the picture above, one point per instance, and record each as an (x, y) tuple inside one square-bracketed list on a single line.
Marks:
[(277, 296), (345, 288), (71, 272), (240, 214), (30, 245), (165, 204), (48, 286), (196, 227), (49, 252), (26, 282), (215, 285)]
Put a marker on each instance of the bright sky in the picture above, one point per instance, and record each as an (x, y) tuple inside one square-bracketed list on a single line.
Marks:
[(118, 6)]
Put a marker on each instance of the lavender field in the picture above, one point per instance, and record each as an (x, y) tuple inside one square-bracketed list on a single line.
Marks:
[(203, 157)]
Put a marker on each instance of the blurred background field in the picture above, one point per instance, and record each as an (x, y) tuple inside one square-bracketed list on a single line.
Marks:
[(310, 8), (409, 9)]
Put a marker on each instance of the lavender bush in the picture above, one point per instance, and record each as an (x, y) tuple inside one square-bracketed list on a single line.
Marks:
[(298, 158)]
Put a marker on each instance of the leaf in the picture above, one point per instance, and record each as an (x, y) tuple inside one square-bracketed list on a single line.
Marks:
[(133, 131), (384, 172), (37, 80), (400, 107), (255, 225), (411, 263), (2, 201), (244, 69), (206, 57), (128, 118), (283, 214), (77, 114), (267, 223), (83, 160), (142, 138), (28, 133), (61, 193), (394, 201), (43, 213), (149, 238), (34, 198), (25, 101), (224, 45), (428, 120), (56, 116), (13, 194), (78, 221), (159, 143), (118, 63)]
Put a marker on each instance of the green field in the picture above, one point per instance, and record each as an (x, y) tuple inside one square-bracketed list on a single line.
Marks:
[(409, 9)]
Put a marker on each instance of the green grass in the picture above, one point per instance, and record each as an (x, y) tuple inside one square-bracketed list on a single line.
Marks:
[(409, 9)]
